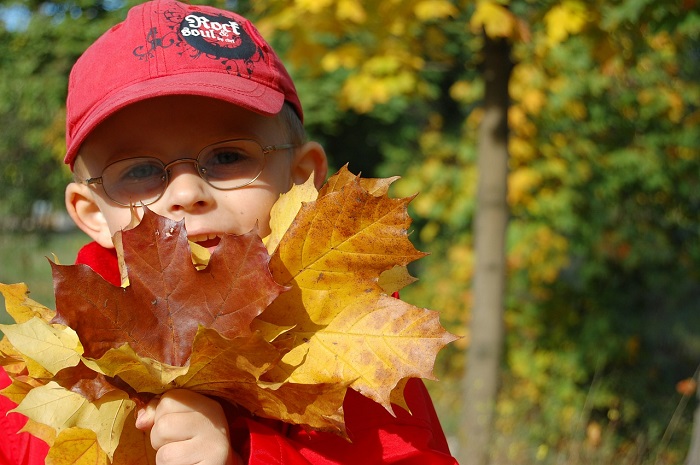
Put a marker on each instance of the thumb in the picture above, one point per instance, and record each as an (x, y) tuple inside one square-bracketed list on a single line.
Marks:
[(145, 416)]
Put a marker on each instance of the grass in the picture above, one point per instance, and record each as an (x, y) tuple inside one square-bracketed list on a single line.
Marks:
[(23, 258)]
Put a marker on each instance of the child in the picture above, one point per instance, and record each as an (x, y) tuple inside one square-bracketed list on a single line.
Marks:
[(188, 110)]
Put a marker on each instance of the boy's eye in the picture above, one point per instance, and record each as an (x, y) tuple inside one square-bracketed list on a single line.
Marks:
[(226, 157), (229, 163), (141, 172)]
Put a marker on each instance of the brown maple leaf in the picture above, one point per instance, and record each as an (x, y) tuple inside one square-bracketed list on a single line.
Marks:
[(167, 299)]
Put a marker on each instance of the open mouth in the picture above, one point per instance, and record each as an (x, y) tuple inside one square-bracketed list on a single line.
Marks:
[(208, 241)]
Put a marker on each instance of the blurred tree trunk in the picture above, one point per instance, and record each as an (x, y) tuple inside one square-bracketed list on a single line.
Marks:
[(481, 379)]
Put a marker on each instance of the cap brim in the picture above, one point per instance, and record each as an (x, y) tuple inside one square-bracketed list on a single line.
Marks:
[(244, 92)]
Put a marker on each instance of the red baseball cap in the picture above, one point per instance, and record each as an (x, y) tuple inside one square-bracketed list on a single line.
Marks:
[(165, 47)]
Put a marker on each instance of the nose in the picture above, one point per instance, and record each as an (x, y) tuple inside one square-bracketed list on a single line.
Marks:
[(186, 190)]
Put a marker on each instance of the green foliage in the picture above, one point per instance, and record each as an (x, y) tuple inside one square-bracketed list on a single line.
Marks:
[(34, 67)]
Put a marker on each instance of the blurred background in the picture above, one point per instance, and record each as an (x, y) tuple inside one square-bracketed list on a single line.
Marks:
[(555, 150)]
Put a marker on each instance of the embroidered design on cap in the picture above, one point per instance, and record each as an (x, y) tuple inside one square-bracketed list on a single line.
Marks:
[(198, 34)]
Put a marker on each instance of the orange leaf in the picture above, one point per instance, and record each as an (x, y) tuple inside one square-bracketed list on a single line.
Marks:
[(347, 330), (687, 387)]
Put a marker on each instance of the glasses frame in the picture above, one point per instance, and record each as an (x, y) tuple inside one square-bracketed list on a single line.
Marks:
[(195, 161)]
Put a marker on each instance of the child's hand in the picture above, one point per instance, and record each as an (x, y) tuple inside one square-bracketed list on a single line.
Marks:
[(187, 428)]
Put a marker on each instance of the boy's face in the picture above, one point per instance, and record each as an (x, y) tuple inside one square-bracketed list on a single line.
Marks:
[(172, 128)]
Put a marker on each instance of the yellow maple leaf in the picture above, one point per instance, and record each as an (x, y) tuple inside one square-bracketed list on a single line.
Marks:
[(375, 186), (373, 350), (17, 390), (53, 405), (286, 208), (77, 446), (143, 374), (53, 347), (395, 279), (20, 307)]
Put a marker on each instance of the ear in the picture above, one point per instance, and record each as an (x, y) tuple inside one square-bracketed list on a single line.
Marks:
[(86, 214), (310, 158)]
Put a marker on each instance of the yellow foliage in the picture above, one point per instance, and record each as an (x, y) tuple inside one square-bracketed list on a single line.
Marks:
[(519, 122), (662, 42), (558, 84), (646, 96), (629, 112), (474, 119), (516, 117), (670, 99), (430, 141), (577, 110), (434, 9), (675, 104), (521, 184), (347, 56), (560, 140), (495, 19), (380, 69), (382, 65), (429, 232), (351, 10), (462, 256), (362, 92), (466, 92), (533, 101), (565, 19), (542, 252), (380, 78), (313, 6), (521, 150), (397, 27)]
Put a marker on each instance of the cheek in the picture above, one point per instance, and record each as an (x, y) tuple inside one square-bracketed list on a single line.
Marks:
[(118, 218), (256, 209)]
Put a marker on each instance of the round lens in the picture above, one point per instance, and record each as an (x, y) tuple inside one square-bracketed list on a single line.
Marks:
[(231, 164), (134, 181)]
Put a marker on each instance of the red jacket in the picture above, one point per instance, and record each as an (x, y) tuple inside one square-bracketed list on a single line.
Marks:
[(17, 448), (377, 436)]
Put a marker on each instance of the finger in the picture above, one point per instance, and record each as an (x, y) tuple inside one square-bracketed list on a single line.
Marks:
[(145, 417), (183, 415), (177, 426), (185, 401), (187, 453)]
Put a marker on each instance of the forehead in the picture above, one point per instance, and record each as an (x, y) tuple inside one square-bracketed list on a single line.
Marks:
[(173, 127)]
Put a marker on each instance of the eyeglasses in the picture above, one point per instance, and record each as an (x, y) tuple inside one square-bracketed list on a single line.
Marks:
[(225, 165)]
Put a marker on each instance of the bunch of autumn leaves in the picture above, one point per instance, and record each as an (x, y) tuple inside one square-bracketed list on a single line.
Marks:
[(281, 327)]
